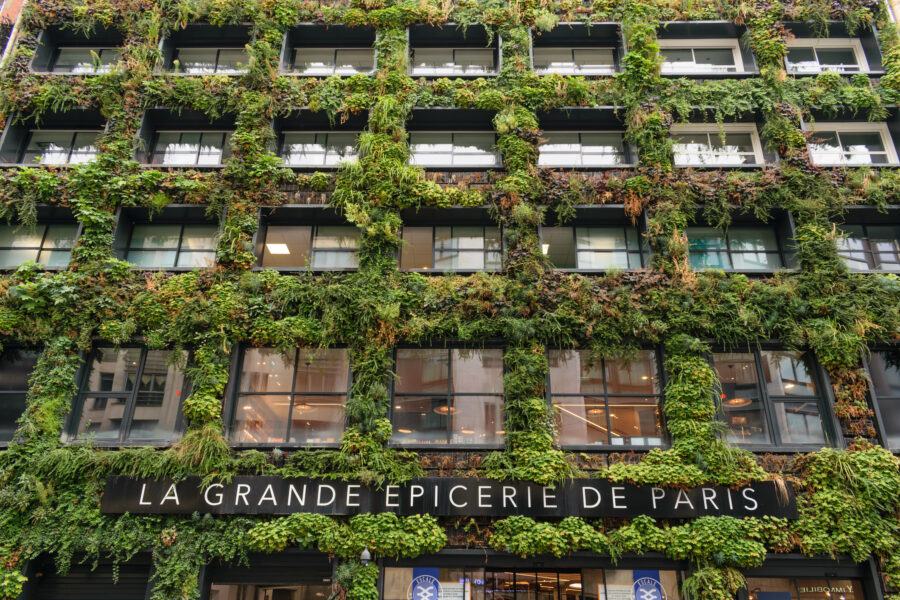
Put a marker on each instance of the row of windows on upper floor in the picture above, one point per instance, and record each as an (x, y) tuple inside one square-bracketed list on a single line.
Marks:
[(692, 48), (600, 239), (590, 140), (767, 398)]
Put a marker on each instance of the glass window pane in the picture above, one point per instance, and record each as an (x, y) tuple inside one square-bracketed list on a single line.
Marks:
[(679, 57), (152, 259), (261, 419), (558, 244), (839, 59), (594, 260), (339, 147), (314, 61), (286, 246), (49, 147), (705, 238), (16, 236), (324, 259), (476, 60), (800, 423), (344, 237), (232, 61), (199, 237), (15, 369), (12, 405), (303, 149), (558, 60), (175, 148), (884, 369), (60, 236), (265, 370), (756, 261), (101, 419), (581, 420), (476, 371), (788, 374), (741, 399), (196, 61), (733, 143), (212, 148), (422, 370), (84, 148), (476, 420), (890, 418), (194, 259), (421, 419), (600, 238), (11, 259), (158, 402), (824, 148), (113, 370), (438, 61), (714, 58), (755, 239), (155, 236), (573, 372), (355, 60), (633, 376), (634, 421), (417, 250), (317, 419), (74, 60), (594, 60), (802, 60), (322, 370), (55, 258), (772, 588)]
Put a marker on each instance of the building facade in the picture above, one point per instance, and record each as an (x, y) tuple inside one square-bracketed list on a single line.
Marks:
[(472, 300)]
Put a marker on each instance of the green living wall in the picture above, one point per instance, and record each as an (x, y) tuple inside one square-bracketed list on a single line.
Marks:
[(49, 492)]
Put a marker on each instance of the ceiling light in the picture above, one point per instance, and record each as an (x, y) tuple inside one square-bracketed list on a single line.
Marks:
[(404, 431), (247, 407), (545, 248), (737, 402), (278, 249), (467, 431), (595, 411), (788, 386), (445, 410)]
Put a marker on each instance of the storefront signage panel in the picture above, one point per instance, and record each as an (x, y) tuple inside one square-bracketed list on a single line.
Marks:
[(441, 496)]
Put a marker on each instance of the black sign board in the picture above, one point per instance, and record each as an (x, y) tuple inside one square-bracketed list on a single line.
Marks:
[(443, 497)]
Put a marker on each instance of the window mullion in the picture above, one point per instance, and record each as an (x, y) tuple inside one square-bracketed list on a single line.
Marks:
[(131, 402), (451, 400), (287, 434), (768, 405), (43, 241), (606, 402), (178, 247)]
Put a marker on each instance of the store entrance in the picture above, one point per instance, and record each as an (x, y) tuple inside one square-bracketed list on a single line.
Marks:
[(533, 585)]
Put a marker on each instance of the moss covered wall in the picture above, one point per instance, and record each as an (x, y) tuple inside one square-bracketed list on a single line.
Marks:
[(50, 492)]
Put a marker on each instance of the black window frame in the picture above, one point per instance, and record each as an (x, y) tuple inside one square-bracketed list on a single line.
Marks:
[(174, 214), (665, 439), (823, 398), (875, 399), (7, 393), (867, 249), (98, 50), (484, 251), (178, 250), (263, 235), (129, 398), (449, 445), (236, 394), (642, 252), (48, 215)]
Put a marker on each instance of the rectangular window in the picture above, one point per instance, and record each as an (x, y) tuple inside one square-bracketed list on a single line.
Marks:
[(884, 370), (592, 248), (573, 149), (296, 398), (851, 144), (318, 247), (700, 57), (771, 398), (448, 396), (60, 147), (85, 61), (191, 148), (870, 247), (741, 248), (49, 245), (808, 55), (318, 149), (451, 248), (778, 588), (574, 61), (460, 149), (605, 402), (333, 61), (132, 395), (176, 245), (209, 61), (705, 146), (15, 370), (452, 61)]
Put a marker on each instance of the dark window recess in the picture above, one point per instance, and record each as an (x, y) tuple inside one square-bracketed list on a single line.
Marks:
[(317, 50), (177, 237), (131, 395), (884, 370), (295, 399), (16, 366), (452, 51), (578, 49), (448, 396), (279, 576), (452, 248), (593, 248), (746, 245), (605, 402), (49, 244), (870, 247), (201, 49), (308, 140), (185, 139), (771, 398), (58, 139), (70, 51), (837, 41)]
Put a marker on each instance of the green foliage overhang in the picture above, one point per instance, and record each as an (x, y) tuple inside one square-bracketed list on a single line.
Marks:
[(849, 498)]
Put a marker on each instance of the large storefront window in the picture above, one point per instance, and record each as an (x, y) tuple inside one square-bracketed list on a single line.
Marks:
[(282, 591), (448, 396), (424, 583), (775, 588)]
